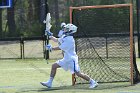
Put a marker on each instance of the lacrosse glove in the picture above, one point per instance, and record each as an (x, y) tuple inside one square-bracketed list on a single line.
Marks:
[(47, 32), (49, 47)]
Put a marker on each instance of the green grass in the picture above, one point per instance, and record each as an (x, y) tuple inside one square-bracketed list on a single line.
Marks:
[(24, 76)]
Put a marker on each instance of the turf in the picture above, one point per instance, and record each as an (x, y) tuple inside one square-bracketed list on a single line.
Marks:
[(24, 76)]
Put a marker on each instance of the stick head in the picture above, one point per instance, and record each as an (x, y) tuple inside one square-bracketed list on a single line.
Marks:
[(48, 22), (48, 17)]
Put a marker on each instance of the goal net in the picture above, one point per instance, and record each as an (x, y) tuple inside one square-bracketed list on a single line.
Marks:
[(104, 43)]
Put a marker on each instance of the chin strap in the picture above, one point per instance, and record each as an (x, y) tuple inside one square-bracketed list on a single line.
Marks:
[(68, 33)]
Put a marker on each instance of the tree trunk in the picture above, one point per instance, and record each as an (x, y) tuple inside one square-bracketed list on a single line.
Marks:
[(43, 10), (11, 22), (36, 9), (30, 11), (56, 14), (0, 23)]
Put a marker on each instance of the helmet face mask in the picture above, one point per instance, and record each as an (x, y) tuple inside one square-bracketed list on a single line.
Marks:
[(70, 28)]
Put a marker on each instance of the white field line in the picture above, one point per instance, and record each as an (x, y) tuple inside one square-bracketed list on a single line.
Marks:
[(22, 68), (25, 68)]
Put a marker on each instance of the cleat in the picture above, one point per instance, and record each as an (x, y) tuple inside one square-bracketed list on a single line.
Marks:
[(47, 84)]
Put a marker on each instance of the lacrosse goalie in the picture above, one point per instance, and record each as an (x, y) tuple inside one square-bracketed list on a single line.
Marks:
[(70, 59)]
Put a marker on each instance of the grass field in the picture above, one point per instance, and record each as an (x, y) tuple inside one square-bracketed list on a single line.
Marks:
[(24, 76)]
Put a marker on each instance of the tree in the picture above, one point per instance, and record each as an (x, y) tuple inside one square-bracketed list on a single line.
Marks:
[(30, 11), (11, 21), (56, 14), (36, 9), (43, 10)]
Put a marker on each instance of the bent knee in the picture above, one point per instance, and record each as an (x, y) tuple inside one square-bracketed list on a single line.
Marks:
[(55, 66), (78, 73)]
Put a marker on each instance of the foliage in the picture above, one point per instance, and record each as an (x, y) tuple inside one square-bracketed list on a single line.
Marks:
[(28, 14)]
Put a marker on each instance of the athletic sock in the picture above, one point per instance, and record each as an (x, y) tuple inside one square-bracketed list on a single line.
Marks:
[(91, 80), (51, 79)]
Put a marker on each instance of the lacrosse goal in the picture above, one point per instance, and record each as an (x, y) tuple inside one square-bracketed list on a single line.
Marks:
[(104, 43)]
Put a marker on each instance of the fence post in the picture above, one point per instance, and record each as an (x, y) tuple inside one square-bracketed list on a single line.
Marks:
[(21, 47), (44, 46), (106, 48), (46, 52)]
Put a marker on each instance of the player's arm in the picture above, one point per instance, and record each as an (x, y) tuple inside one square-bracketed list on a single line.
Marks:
[(56, 48), (50, 48), (50, 34), (54, 39)]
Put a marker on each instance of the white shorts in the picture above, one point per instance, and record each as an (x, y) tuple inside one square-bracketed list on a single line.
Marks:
[(71, 64)]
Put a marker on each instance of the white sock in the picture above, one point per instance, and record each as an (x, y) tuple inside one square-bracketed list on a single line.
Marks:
[(91, 80), (51, 79)]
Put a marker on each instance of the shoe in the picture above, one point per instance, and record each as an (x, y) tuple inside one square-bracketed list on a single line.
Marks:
[(47, 84), (93, 84)]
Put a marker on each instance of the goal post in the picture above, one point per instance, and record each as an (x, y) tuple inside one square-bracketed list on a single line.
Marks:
[(131, 44), (112, 36)]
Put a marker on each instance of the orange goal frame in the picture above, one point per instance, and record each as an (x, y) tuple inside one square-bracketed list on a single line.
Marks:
[(131, 30)]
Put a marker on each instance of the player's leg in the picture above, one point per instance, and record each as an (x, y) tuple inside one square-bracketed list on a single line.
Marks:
[(52, 75), (82, 75), (76, 69), (92, 82), (54, 69)]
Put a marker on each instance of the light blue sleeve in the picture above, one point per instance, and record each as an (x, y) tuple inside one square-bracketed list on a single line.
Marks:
[(65, 44)]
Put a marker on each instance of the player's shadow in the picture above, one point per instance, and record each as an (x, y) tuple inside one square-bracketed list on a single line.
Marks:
[(73, 88), (48, 89), (81, 88), (78, 89), (37, 90)]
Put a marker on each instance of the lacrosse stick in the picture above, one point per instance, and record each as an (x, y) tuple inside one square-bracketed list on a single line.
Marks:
[(47, 22), (48, 27)]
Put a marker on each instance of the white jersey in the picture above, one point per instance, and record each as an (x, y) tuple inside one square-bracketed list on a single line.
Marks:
[(60, 33), (70, 59), (67, 45)]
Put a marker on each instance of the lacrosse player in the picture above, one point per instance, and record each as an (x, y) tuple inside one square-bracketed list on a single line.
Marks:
[(70, 59), (62, 29)]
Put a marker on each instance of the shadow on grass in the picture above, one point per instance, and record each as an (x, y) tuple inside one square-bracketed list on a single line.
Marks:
[(77, 88), (36, 90)]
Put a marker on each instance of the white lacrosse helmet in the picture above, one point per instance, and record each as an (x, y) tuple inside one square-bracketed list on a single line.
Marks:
[(63, 24), (70, 28)]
